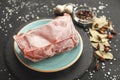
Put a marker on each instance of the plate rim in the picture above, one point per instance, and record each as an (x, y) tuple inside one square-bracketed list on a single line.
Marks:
[(48, 71)]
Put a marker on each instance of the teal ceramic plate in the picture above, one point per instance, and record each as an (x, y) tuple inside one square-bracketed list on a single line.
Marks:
[(53, 64)]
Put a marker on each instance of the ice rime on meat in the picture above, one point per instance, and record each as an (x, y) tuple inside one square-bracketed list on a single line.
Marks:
[(56, 37)]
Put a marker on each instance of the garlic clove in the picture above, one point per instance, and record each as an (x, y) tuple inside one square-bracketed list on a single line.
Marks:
[(69, 9), (59, 9)]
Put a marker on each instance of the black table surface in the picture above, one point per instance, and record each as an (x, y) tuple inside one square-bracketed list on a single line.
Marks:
[(16, 13)]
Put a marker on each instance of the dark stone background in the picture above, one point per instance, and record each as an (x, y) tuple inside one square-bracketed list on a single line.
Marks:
[(16, 13)]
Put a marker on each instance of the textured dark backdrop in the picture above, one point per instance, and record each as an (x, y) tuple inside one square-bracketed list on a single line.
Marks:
[(16, 13)]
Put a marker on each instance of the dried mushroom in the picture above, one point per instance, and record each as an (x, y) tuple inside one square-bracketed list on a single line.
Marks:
[(110, 27), (106, 43), (95, 45), (100, 33), (96, 40), (92, 39), (101, 47), (100, 22), (98, 46), (104, 55), (95, 34)]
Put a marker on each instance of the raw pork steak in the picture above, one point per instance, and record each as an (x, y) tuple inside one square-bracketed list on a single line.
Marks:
[(56, 37)]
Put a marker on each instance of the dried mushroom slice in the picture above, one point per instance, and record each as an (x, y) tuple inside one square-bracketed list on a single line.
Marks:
[(95, 34), (98, 46), (100, 22), (104, 40), (102, 31), (104, 55), (97, 26), (105, 43), (110, 27), (92, 39), (101, 47), (95, 45), (96, 40)]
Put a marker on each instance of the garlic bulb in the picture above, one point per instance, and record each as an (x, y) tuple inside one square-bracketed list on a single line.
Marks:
[(69, 9), (59, 9)]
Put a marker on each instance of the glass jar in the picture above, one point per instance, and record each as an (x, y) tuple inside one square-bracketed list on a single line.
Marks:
[(84, 16)]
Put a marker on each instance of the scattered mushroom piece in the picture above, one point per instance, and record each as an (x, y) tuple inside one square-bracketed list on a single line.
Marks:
[(100, 33), (110, 25), (106, 43), (104, 40), (104, 55), (94, 45), (92, 39), (101, 47), (98, 46), (100, 22), (96, 40), (95, 34)]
